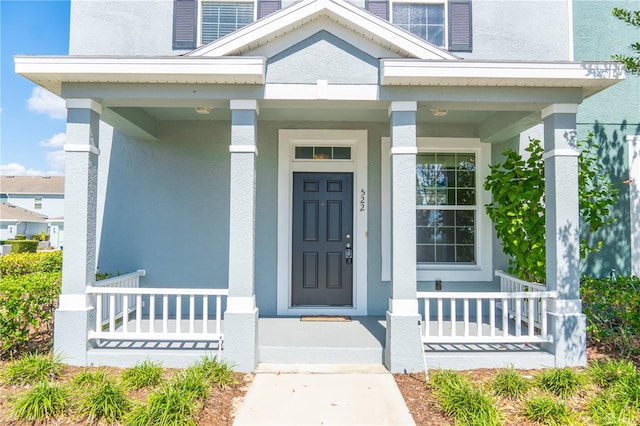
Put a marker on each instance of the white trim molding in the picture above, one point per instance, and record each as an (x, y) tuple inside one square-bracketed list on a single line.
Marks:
[(403, 150), (483, 269), (81, 148), (245, 149), (287, 164), (559, 109), (634, 201), (244, 104), (76, 103), (561, 153), (403, 106)]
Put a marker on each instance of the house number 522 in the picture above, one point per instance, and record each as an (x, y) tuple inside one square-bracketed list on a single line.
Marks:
[(363, 202)]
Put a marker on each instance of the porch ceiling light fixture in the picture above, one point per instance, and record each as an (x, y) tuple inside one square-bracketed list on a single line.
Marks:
[(203, 110), (439, 112)]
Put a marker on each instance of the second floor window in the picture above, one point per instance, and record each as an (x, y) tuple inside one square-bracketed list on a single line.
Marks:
[(221, 18), (37, 203), (425, 20)]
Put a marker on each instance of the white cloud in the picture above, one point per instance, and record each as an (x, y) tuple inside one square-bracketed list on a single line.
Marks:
[(16, 169), (55, 141), (45, 102), (55, 160)]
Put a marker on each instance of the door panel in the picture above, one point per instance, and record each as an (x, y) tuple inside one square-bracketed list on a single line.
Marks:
[(322, 228)]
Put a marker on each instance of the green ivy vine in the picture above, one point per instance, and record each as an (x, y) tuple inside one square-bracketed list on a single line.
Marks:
[(518, 209)]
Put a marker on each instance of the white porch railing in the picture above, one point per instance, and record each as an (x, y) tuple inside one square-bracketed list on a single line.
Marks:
[(131, 280), (511, 284), (487, 325), (115, 322)]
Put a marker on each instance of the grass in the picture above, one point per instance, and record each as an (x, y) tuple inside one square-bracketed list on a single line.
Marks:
[(562, 382), (217, 373), (546, 410), (142, 375), (604, 373), (509, 384), (106, 401), (33, 368), (461, 401), (44, 401), (89, 378), (606, 409), (168, 405)]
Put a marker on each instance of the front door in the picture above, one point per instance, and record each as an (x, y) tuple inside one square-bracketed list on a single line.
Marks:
[(322, 246)]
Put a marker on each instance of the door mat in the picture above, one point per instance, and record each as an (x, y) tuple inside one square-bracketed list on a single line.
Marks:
[(325, 318)]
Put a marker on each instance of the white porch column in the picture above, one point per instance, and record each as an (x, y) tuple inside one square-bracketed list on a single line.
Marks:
[(75, 315), (566, 321), (241, 316), (403, 344), (634, 202)]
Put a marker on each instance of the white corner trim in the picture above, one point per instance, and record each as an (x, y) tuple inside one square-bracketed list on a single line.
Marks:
[(570, 16), (403, 150), (560, 153), (81, 148), (559, 109), (403, 106), (251, 149), (77, 103), (322, 91), (246, 104)]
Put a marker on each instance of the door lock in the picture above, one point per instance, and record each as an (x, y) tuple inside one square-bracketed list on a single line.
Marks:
[(348, 254)]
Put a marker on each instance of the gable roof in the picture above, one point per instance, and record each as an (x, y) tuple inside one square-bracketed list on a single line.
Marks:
[(32, 185), (11, 213), (367, 25)]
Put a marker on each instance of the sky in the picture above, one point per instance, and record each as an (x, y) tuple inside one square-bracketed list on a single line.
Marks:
[(32, 120)]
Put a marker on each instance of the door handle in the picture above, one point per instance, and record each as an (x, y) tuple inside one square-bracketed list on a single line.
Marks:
[(348, 254)]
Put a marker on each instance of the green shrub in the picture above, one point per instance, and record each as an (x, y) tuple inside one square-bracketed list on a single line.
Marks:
[(27, 304), (546, 410), (169, 405), (90, 378), (44, 401), (461, 401), (214, 372), (606, 409), (43, 236), (20, 237), (23, 246), (562, 382), (612, 307), (142, 375), (607, 373), (32, 368), (106, 401), (508, 383), (28, 263)]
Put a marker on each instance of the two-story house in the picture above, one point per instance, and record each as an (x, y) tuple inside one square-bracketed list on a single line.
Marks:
[(255, 163), (41, 202)]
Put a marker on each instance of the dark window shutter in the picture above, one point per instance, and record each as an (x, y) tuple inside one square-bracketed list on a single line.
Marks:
[(380, 8), (267, 7), (460, 28), (184, 24)]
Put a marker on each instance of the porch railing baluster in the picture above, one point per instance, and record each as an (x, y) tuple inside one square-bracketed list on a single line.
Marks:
[(465, 305), (479, 316)]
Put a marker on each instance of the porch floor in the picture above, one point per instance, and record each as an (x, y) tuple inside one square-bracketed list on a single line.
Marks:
[(288, 340)]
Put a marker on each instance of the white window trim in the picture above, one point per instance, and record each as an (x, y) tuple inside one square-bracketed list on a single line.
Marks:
[(483, 269), (199, 19), (634, 195), (445, 3), (287, 141)]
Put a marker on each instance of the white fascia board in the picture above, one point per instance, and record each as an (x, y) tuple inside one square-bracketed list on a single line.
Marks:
[(231, 70), (515, 74), (345, 14)]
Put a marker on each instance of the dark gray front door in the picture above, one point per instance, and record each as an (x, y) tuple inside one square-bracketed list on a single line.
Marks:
[(322, 273)]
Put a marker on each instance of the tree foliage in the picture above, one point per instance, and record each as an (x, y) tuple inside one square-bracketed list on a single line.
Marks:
[(518, 207), (631, 62)]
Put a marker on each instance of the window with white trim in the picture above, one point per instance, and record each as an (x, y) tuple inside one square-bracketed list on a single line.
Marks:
[(426, 20), (219, 18), (453, 232), (446, 208), (37, 202)]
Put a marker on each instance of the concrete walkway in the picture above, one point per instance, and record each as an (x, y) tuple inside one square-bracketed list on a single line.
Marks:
[(323, 395)]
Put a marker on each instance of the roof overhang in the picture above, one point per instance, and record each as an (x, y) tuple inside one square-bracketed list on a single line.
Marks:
[(51, 71), (591, 77)]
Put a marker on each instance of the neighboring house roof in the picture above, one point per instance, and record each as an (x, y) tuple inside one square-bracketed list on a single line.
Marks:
[(32, 185), (356, 20), (11, 213)]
